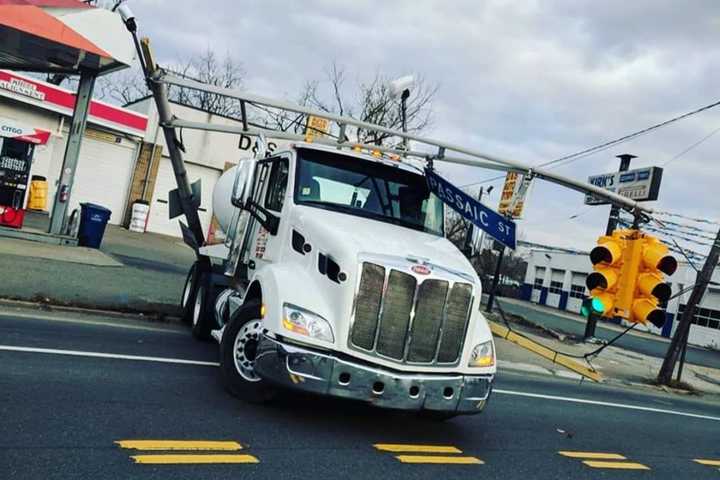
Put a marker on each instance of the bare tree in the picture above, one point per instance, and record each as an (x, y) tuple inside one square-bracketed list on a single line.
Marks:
[(128, 86), (370, 102)]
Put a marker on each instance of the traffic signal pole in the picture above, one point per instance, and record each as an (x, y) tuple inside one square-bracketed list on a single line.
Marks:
[(496, 278), (613, 218), (683, 329), (614, 210)]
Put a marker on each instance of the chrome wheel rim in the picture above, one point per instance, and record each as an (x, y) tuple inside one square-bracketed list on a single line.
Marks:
[(197, 310), (245, 350)]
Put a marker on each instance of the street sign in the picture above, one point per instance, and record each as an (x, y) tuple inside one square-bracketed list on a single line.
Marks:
[(316, 127), (637, 184), (512, 199), (487, 219)]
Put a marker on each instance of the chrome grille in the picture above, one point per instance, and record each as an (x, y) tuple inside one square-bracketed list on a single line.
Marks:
[(399, 318)]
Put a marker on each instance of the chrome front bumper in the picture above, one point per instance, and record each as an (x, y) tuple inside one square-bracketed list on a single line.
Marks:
[(303, 369)]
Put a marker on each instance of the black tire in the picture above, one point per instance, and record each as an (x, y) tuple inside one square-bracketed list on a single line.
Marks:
[(202, 319), (187, 297), (236, 363)]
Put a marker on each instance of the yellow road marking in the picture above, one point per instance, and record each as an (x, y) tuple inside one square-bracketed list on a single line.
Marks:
[(396, 447), (712, 463), (439, 459), (191, 459), (178, 445), (596, 455), (616, 465)]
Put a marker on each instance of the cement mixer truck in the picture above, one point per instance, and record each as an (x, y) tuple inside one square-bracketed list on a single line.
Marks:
[(339, 282)]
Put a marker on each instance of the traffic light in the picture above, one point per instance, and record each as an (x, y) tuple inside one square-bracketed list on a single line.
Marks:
[(603, 283), (628, 279), (649, 262)]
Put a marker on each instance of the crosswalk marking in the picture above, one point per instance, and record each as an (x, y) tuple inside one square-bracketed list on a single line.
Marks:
[(607, 460), (184, 452), (712, 463), (597, 455), (439, 459), (428, 454), (615, 465), (396, 447), (179, 445), (193, 459)]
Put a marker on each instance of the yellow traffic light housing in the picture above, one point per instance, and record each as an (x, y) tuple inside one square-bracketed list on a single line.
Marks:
[(628, 279), (650, 262), (607, 260)]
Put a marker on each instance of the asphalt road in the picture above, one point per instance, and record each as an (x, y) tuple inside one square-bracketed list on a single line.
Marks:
[(63, 409), (641, 344)]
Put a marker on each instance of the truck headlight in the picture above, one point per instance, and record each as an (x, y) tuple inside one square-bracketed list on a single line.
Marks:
[(482, 355), (303, 322)]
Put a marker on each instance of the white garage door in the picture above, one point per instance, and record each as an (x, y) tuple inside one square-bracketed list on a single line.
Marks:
[(158, 221), (103, 175)]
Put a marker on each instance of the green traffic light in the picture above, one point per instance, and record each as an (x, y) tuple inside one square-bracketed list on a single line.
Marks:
[(592, 305)]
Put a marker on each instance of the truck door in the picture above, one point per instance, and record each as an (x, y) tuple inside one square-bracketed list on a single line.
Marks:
[(271, 182)]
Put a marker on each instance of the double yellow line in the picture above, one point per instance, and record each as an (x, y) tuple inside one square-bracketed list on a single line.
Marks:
[(434, 452), (186, 446)]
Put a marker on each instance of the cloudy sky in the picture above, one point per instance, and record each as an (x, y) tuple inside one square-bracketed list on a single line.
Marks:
[(528, 80)]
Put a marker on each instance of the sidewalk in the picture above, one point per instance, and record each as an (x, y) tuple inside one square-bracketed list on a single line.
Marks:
[(617, 365), (567, 324), (133, 272)]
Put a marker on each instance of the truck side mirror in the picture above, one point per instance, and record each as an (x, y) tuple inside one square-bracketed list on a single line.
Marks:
[(242, 188)]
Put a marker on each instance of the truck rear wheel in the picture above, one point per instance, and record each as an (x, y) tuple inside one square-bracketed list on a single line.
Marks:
[(237, 356), (187, 300)]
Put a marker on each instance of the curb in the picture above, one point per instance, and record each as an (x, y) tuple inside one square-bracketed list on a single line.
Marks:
[(147, 315), (545, 352)]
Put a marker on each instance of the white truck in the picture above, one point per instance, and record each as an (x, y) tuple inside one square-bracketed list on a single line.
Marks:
[(344, 285)]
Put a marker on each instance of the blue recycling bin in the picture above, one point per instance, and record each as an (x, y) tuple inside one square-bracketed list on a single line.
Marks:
[(93, 219)]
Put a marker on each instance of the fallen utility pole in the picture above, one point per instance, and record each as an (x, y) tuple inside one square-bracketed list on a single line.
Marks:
[(680, 337)]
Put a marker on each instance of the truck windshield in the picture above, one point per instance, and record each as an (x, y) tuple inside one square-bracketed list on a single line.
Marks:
[(367, 189)]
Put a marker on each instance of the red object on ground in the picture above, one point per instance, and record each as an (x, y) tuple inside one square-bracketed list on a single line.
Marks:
[(11, 217)]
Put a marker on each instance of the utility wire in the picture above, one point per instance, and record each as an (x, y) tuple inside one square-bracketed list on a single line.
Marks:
[(691, 147), (567, 159)]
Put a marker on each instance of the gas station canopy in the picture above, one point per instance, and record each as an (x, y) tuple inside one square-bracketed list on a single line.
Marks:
[(63, 36)]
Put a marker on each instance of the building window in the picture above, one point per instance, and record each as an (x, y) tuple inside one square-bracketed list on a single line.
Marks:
[(704, 317), (555, 287), (538, 283), (577, 291)]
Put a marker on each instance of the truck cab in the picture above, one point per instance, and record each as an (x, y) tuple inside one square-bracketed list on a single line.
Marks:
[(342, 283)]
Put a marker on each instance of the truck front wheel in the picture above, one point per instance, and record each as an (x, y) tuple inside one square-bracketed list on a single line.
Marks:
[(187, 300), (237, 356)]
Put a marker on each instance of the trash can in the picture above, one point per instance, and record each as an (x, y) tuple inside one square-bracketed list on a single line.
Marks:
[(93, 219), (38, 193)]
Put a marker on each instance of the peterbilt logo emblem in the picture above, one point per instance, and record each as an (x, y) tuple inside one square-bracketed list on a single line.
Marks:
[(421, 269)]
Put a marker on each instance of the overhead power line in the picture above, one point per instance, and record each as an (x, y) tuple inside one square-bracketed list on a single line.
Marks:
[(567, 159)]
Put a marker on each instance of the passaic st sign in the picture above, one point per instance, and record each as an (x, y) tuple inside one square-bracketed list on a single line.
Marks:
[(639, 184), (494, 224)]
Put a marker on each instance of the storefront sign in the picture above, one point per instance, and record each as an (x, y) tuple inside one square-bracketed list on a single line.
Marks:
[(12, 129), (51, 97), (22, 87), (639, 184)]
